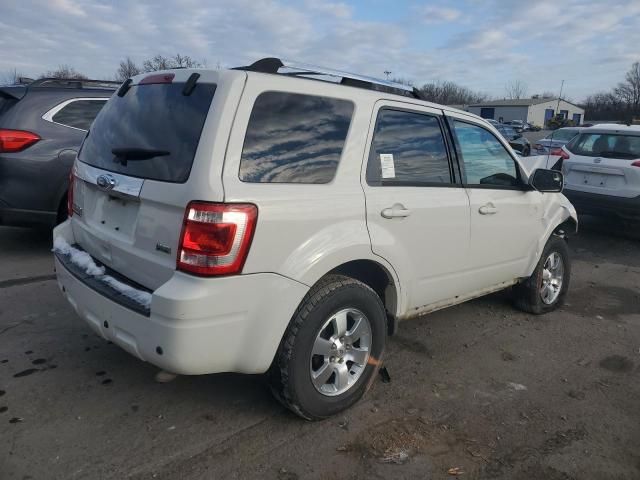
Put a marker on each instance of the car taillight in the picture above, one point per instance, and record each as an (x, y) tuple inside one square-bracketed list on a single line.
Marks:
[(216, 238), (636, 163), (16, 140), (72, 178), (559, 151)]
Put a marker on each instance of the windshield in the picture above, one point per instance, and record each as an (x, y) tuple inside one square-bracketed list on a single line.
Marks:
[(563, 135), (606, 145), (151, 132)]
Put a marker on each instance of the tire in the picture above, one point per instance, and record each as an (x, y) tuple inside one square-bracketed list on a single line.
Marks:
[(529, 295), (334, 300), (526, 151)]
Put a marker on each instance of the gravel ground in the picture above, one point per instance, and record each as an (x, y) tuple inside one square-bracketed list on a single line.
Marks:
[(477, 391)]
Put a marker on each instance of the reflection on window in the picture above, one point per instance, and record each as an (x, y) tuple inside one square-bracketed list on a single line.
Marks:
[(79, 114), (294, 138), (486, 162), (408, 148)]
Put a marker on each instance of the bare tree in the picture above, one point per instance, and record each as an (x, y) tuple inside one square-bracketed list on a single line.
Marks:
[(127, 69), (450, 93), (10, 77), (160, 62), (515, 89), (629, 90), (64, 71)]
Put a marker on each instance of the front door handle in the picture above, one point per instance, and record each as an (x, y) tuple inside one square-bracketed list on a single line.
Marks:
[(396, 211), (488, 209)]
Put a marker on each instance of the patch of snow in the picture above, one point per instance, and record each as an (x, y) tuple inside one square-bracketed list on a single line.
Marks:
[(83, 260), (516, 386)]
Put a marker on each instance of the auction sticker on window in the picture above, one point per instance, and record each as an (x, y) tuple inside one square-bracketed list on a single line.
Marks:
[(387, 165)]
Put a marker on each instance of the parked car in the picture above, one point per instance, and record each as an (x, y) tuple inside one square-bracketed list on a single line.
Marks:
[(554, 140), (230, 224), (533, 128), (602, 170), (516, 140), (493, 122), (41, 127), (517, 125)]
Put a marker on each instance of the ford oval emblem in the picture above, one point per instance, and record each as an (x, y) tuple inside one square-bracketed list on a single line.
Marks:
[(106, 182)]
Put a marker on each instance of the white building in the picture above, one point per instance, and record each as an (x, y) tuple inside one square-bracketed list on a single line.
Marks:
[(536, 111)]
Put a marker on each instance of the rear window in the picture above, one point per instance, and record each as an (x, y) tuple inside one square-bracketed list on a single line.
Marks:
[(563, 135), (606, 145), (79, 113), (294, 138), (149, 118)]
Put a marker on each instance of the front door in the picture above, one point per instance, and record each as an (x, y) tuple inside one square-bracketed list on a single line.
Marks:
[(506, 215), (417, 211)]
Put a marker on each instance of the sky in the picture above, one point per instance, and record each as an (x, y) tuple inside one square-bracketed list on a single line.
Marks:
[(481, 44)]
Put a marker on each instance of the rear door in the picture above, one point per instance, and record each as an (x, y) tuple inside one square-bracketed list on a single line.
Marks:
[(602, 163), (417, 211), (141, 163), (506, 215)]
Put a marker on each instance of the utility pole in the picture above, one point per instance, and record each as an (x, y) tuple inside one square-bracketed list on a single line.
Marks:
[(559, 97), (387, 73)]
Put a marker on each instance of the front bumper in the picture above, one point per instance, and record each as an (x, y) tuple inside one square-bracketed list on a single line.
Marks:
[(597, 204), (195, 325)]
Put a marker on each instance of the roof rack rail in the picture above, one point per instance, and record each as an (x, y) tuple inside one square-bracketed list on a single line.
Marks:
[(74, 83), (297, 69)]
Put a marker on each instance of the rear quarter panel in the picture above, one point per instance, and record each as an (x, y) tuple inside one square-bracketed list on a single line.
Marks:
[(305, 230)]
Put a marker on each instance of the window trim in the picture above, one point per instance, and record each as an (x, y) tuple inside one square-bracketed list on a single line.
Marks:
[(48, 116), (455, 181), (522, 187), (292, 92)]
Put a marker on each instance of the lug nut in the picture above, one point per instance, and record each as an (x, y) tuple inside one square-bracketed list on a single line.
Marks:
[(332, 359), (333, 346)]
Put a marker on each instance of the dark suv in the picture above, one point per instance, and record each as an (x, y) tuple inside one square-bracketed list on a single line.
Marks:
[(42, 124), (515, 139)]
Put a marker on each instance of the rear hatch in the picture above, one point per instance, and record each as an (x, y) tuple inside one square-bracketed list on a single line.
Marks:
[(604, 162), (140, 164)]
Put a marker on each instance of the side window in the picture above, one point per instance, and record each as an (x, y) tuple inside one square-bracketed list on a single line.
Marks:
[(294, 138), (408, 149), (485, 160), (79, 114)]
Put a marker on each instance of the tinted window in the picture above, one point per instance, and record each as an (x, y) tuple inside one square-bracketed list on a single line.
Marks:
[(606, 145), (79, 114), (408, 148), (154, 117), (294, 138), (486, 161)]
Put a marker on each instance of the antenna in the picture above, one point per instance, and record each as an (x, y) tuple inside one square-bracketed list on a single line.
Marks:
[(553, 131)]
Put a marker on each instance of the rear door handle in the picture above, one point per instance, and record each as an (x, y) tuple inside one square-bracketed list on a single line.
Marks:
[(488, 209), (396, 211)]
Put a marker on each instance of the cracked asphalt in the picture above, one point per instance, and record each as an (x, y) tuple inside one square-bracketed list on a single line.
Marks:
[(479, 390)]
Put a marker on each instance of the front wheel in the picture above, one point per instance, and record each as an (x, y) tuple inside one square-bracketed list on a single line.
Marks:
[(546, 288), (331, 350)]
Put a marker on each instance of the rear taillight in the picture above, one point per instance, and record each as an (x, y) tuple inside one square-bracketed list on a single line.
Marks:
[(636, 163), (16, 140), (559, 151), (216, 238), (72, 178)]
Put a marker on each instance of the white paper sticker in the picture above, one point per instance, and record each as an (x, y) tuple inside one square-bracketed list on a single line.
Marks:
[(387, 165)]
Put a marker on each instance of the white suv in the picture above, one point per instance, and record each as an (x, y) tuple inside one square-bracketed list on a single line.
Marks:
[(272, 219), (602, 170)]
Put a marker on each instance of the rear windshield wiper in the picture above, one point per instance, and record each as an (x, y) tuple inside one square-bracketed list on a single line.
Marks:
[(123, 155)]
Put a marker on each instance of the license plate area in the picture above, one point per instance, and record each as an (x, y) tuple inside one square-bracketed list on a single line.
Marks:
[(114, 213)]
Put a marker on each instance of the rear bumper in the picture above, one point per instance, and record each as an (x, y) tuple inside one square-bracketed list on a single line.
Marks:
[(195, 325), (603, 204)]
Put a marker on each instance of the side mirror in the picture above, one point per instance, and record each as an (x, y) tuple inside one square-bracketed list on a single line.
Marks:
[(544, 180)]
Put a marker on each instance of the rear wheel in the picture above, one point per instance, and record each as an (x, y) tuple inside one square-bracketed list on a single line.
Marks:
[(546, 288), (331, 350), (526, 151)]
